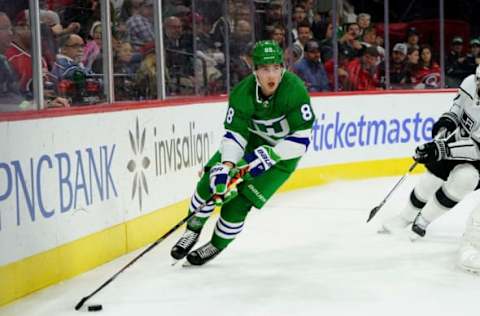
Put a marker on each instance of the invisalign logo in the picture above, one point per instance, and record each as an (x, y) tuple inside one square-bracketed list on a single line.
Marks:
[(139, 163)]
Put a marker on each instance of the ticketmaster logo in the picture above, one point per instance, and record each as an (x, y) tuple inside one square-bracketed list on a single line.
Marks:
[(337, 133)]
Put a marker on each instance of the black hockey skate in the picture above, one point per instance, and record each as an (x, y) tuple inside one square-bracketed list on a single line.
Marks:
[(420, 231), (184, 244), (419, 225), (203, 254)]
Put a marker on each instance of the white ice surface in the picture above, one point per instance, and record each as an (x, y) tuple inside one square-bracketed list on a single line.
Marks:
[(309, 252)]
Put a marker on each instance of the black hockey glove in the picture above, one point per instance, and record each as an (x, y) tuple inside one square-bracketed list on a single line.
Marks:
[(446, 123), (431, 152)]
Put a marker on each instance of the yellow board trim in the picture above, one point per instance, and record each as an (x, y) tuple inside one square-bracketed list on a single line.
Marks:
[(30, 274)]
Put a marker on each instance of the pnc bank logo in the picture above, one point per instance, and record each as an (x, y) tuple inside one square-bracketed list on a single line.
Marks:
[(138, 164)]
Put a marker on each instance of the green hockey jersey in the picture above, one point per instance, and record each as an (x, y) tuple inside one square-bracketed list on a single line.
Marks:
[(283, 121)]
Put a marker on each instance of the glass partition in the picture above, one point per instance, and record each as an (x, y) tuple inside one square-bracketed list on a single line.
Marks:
[(209, 25), (414, 46), (71, 44), (16, 69), (177, 21), (134, 51), (206, 45), (244, 27)]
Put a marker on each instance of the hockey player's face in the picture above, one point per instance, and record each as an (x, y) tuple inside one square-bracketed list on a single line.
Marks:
[(269, 77)]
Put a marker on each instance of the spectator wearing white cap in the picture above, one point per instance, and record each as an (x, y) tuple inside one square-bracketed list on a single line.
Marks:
[(398, 63), (400, 49)]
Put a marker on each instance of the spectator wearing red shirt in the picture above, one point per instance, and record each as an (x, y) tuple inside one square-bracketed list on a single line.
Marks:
[(429, 73), (363, 71), (58, 4), (341, 72), (18, 55)]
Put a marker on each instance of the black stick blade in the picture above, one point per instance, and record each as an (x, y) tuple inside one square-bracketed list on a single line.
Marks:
[(80, 304), (372, 213)]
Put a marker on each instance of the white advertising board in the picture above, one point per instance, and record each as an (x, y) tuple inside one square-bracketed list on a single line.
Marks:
[(71, 176), (65, 178), (372, 127)]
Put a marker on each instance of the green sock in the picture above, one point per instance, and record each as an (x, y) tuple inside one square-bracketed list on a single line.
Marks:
[(230, 222)]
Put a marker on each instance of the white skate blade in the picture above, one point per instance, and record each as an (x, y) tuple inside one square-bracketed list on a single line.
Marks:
[(414, 236), (393, 226), (187, 264), (175, 261), (469, 259), (382, 230), (467, 267), (469, 270)]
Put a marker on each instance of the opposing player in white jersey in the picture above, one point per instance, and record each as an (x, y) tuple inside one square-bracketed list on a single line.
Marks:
[(452, 161)]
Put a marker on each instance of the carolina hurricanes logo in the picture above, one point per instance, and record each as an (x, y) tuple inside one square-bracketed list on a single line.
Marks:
[(432, 80)]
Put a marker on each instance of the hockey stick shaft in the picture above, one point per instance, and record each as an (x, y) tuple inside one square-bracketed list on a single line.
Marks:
[(375, 210), (233, 183), (400, 181)]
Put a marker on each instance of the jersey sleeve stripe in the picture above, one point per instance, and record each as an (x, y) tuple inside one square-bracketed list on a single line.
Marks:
[(232, 147), (300, 140), (236, 138)]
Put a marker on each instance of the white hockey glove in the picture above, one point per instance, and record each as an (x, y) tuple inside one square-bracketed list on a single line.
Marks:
[(219, 178), (223, 182)]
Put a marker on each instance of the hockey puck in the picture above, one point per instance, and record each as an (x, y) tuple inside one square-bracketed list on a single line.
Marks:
[(95, 307)]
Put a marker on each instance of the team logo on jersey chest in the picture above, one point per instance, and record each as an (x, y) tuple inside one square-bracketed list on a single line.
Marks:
[(277, 127)]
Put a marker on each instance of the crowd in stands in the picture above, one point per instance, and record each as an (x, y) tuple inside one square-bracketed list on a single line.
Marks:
[(207, 46)]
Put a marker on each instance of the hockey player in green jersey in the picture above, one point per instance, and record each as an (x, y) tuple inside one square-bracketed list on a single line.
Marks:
[(267, 130)]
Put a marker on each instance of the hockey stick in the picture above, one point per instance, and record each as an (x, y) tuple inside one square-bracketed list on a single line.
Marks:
[(237, 179), (378, 207)]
